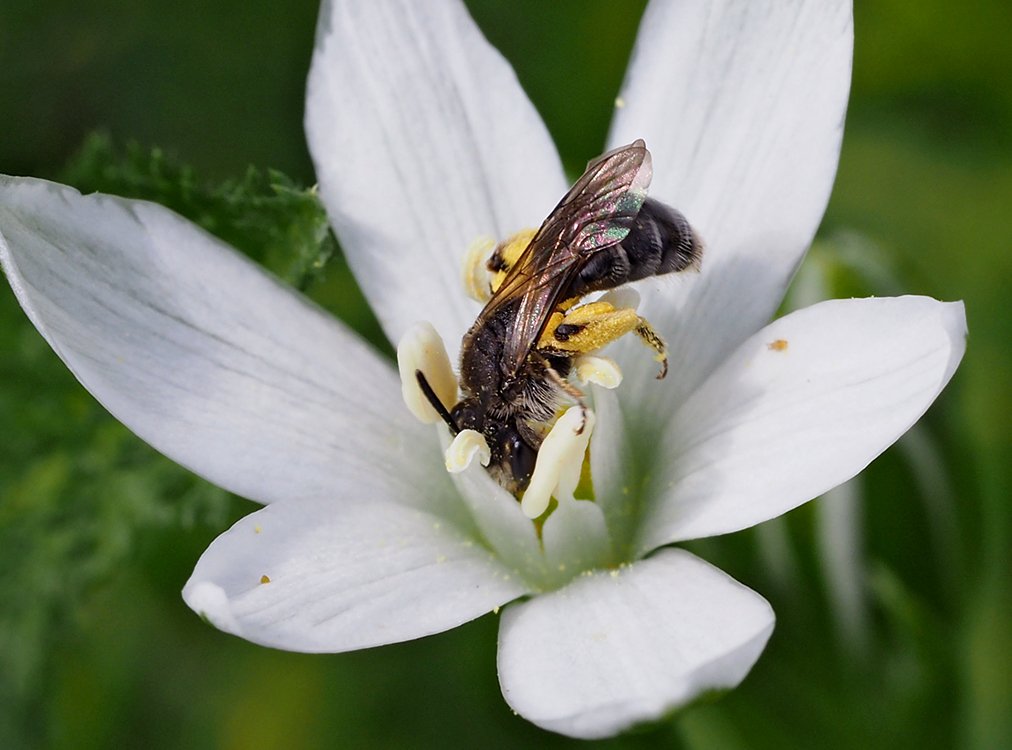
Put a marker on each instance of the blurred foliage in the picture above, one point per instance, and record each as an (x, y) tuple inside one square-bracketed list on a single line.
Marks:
[(98, 533), (282, 226), (80, 498)]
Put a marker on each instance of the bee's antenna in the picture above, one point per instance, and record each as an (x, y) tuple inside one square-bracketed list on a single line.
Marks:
[(436, 403)]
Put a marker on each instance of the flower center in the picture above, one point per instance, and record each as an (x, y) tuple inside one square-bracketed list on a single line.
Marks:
[(505, 410), (429, 389)]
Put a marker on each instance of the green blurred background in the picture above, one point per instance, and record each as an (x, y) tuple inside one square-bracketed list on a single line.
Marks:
[(98, 533)]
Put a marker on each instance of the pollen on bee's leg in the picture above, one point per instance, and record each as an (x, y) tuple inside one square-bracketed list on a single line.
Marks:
[(422, 350), (462, 451), (475, 275), (602, 371), (560, 461)]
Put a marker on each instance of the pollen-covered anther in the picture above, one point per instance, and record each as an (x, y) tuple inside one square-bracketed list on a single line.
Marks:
[(465, 447), (602, 371), (422, 350), (560, 461), (474, 273)]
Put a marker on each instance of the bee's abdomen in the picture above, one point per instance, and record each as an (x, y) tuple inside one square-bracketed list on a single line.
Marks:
[(660, 241)]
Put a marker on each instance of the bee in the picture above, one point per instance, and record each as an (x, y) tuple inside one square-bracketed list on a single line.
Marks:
[(516, 358)]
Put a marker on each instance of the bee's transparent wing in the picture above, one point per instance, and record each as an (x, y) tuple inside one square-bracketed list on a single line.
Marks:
[(595, 214)]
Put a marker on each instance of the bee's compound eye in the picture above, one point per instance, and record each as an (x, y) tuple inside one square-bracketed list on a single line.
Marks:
[(521, 457), (465, 416)]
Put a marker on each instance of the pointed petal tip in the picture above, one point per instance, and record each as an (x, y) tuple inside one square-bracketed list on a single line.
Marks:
[(210, 601), (801, 407), (196, 349), (317, 576), (953, 320)]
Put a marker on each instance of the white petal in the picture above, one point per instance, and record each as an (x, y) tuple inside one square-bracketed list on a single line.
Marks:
[(423, 142), (203, 355), (617, 648), (500, 521), (319, 576), (800, 408), (742, 104), (617, 471), (575, 538)]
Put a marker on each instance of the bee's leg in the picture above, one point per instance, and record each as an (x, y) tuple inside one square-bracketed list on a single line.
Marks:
[(589, 327), (651, 338), (566, 387)]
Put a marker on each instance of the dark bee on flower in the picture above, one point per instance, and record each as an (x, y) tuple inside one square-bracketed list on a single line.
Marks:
[(517, 357)]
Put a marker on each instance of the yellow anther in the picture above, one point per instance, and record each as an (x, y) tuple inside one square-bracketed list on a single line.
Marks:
[(467, 445), (421, 350), (560, 461), (477, 280), (602, 371)]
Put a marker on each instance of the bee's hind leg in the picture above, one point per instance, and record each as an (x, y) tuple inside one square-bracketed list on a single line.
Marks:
[(587, 328), (651, 338)]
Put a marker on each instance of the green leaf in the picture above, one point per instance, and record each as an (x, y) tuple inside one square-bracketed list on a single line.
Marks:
[(266, 214)]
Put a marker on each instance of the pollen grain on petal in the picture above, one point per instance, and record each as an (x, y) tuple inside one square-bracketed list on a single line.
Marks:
[(265, 579), (777, 345)]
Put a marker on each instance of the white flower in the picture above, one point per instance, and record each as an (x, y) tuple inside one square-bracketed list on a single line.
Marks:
[(424, 142)]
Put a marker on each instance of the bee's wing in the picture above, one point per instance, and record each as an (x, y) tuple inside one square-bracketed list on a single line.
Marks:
[(595, 214)]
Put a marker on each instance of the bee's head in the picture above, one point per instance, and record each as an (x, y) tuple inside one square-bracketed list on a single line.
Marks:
[(468, 415), (512, 457)]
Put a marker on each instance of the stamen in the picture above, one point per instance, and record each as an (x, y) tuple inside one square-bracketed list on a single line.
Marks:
[(602, 371), (475, 275), (465, 446), (560, 459), (623, 298), (421, 349)]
